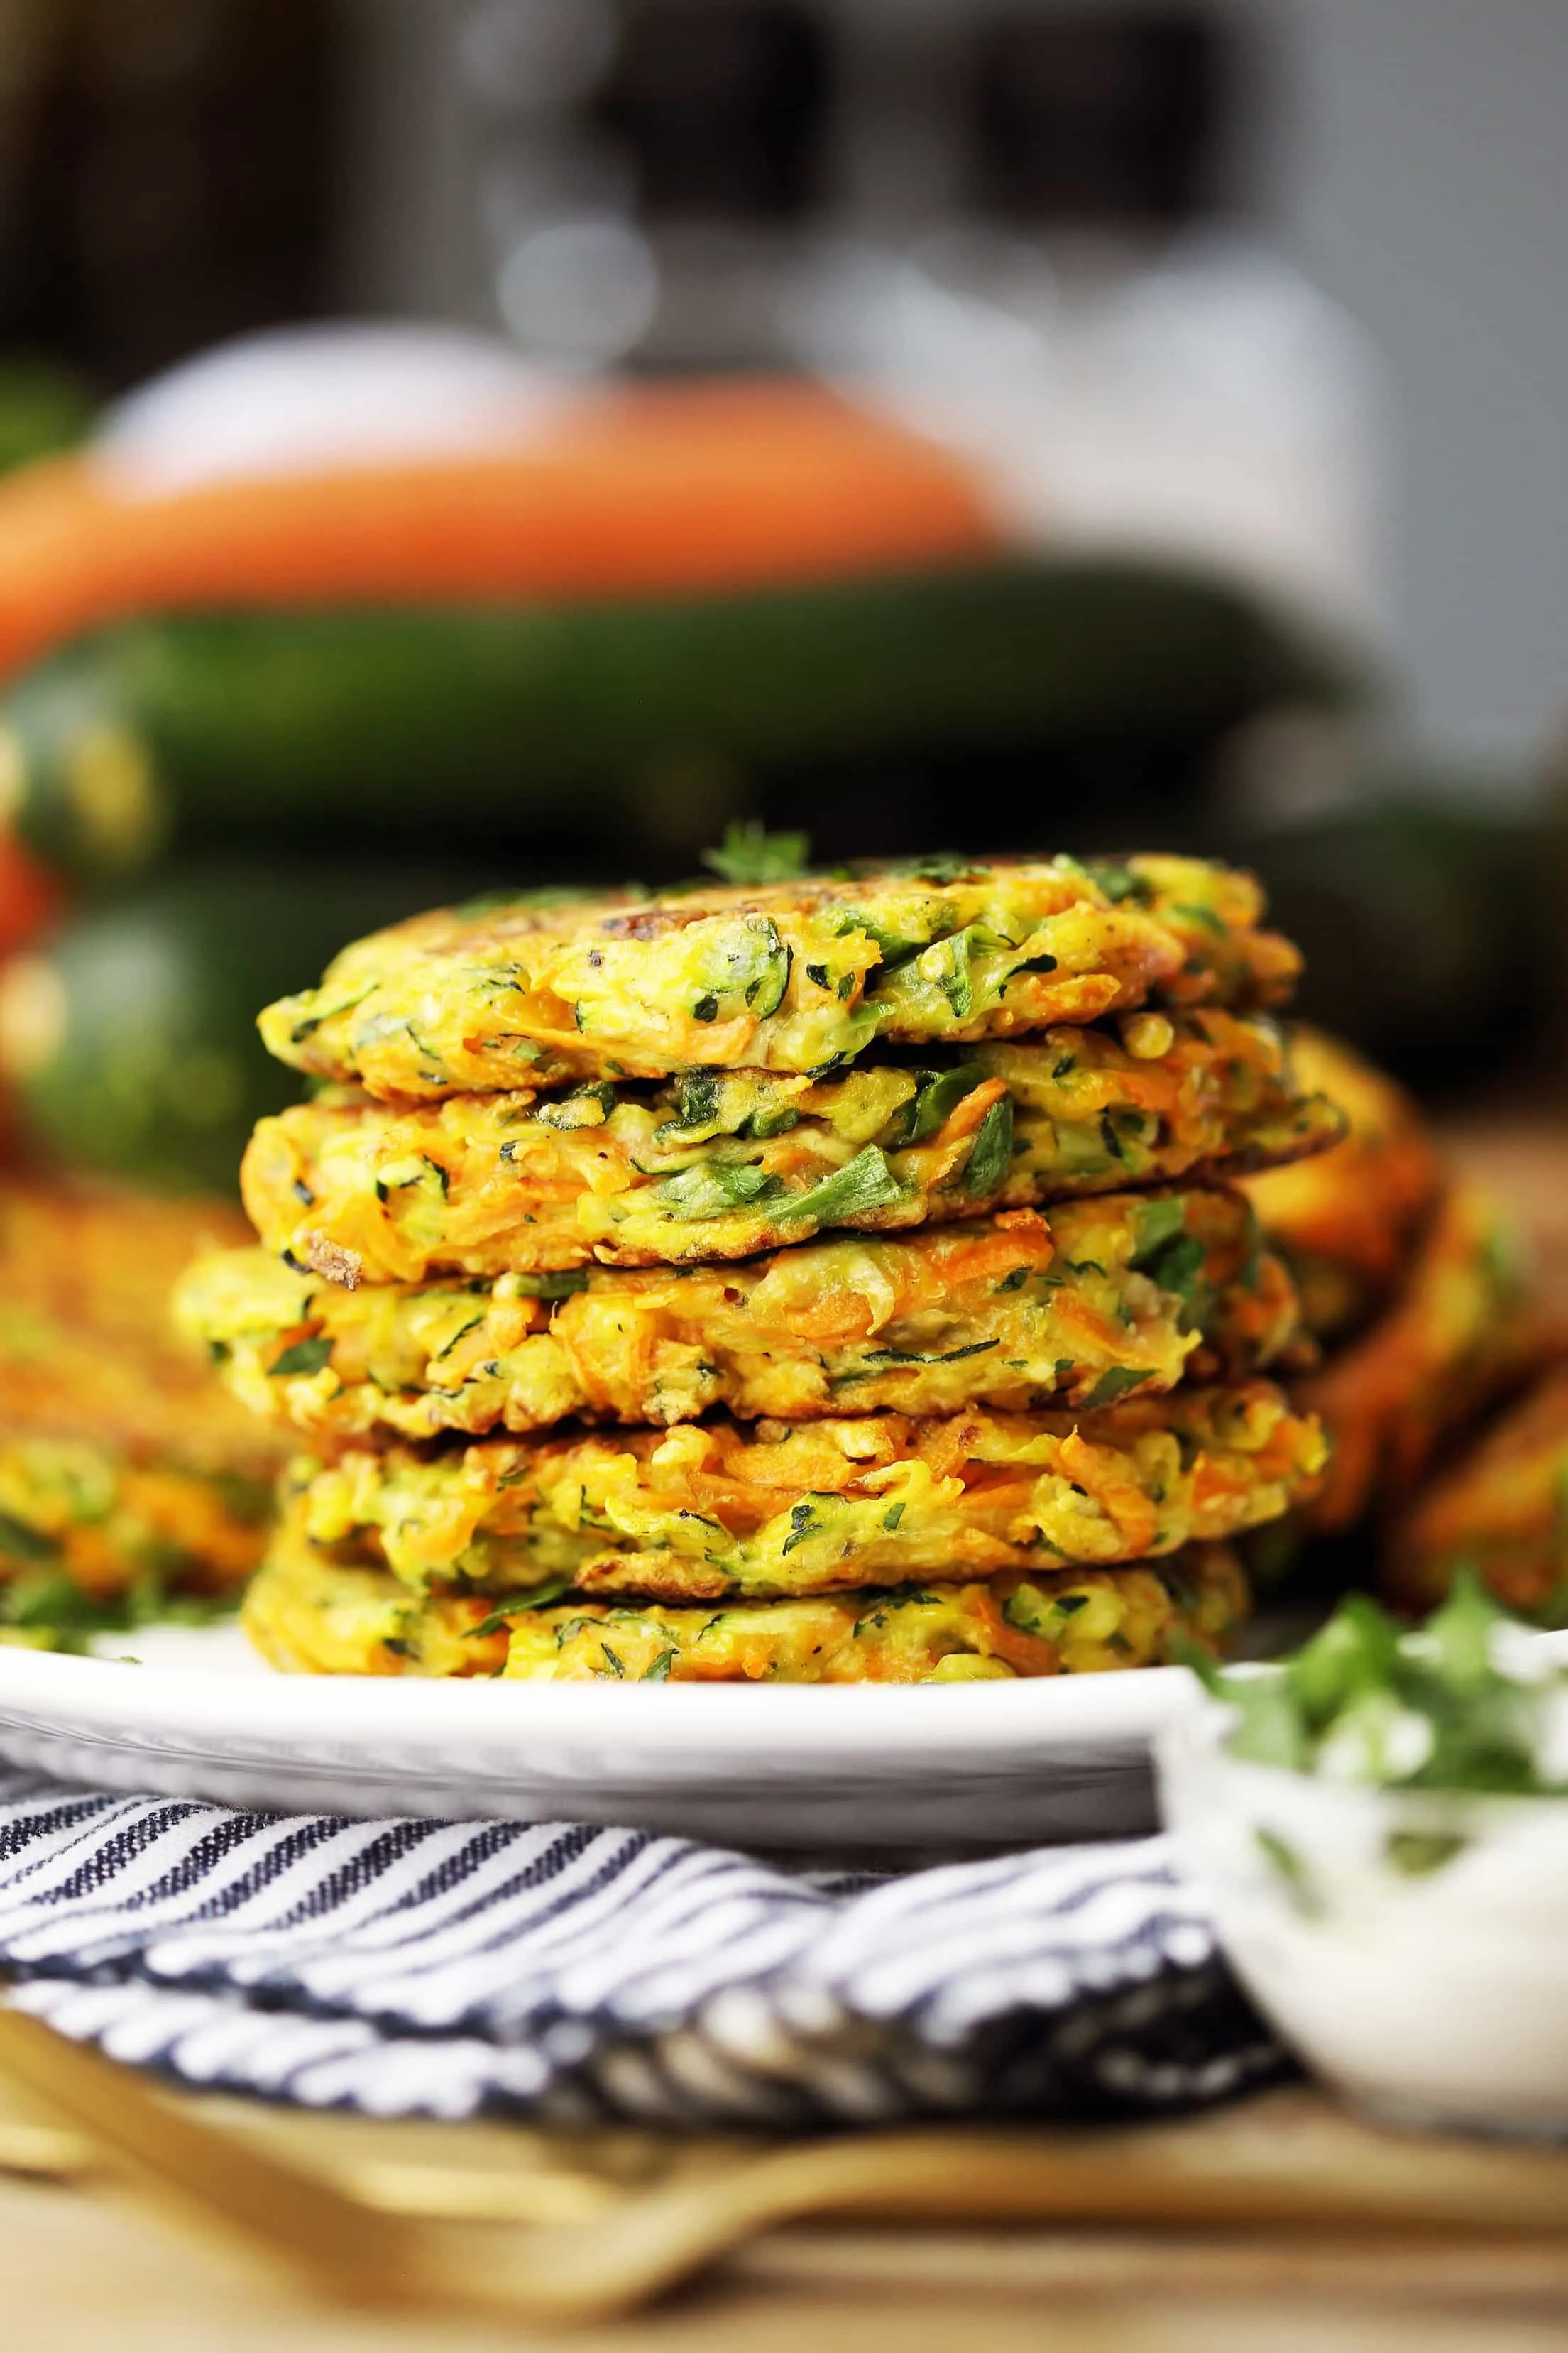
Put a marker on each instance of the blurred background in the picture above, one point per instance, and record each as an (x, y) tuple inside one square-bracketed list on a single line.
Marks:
[(462, 444)]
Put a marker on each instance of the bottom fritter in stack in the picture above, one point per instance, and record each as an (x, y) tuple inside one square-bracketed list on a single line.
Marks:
[(130, 1486), (627, 1378)]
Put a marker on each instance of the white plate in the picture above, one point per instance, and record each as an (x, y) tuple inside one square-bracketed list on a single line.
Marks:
[(912, 1767)]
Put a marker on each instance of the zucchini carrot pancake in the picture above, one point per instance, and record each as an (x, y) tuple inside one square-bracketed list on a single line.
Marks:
[(1501, 1513), (708, 1511), (308, 1617), (1123, 1292), (725, 1165), (124, 1468), (795, 977), (1349, 1220)]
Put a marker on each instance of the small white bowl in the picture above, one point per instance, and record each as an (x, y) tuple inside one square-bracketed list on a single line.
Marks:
[(1410, 1946)]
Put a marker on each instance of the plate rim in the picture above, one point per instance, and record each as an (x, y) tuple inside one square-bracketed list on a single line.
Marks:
[(50, 1691)]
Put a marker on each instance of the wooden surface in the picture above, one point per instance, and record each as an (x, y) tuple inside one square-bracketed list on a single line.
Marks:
[(91, 2267), (85, 2267)]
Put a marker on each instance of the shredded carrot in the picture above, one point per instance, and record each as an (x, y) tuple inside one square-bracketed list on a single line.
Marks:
[(1103, 1476), (1212, 1485), (969, 1112), (836, 1316)]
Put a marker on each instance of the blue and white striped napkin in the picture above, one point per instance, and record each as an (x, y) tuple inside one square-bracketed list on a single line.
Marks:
[(417, 1967)]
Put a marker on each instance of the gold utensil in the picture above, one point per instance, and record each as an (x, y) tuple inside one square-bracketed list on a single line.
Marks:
[(44, 2152), (409, 2233)]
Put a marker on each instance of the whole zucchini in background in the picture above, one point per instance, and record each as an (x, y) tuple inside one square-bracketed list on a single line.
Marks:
[(560, 729), (1427, 921), (43, 406), (130, 1037)]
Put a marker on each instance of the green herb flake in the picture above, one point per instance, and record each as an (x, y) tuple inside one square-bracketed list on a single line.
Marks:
[(560, 1285), (1116, 1381), (941, 866), (1159, 1221), (992, 1152), (750, 856), (1116, 881), (712, 1188), (943, 1357), (1205, 917), (1179, 1267), (861, 1187), (955, 979), (1416, 1854), (803, 1522), (520, 1605), (938, 1096)]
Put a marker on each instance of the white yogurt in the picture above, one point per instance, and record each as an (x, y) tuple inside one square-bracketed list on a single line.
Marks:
[(1412, 1947)]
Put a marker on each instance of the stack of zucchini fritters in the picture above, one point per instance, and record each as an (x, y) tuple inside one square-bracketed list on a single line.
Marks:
[(832, 1281)]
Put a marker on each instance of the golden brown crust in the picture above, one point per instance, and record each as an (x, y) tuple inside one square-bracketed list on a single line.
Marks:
[(790, 977), (1139, 1290), (718, 1509), (1502, 1512), (727, 1166), (307, 1616), (1349, 1219), (1462, 1336)]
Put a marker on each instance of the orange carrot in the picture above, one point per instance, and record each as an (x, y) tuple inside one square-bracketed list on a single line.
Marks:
[(1019, 1237), (658, 491)]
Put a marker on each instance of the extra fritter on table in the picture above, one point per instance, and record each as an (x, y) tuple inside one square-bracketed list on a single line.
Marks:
[(1414, 1284), (130, 1484), (841, 1279)]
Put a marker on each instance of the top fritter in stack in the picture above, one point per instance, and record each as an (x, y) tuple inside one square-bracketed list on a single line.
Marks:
[(749, 1283)]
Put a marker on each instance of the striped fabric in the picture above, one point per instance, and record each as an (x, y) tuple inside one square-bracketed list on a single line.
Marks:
[(411, 1967)]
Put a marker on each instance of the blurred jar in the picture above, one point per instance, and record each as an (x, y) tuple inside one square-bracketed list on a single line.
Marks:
[(177, 183), (654, 178), (1132, 364)]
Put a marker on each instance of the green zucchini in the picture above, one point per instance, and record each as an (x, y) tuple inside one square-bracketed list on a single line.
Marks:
[(130, 1040), (1429, 924), (561, 728), (43, 407)]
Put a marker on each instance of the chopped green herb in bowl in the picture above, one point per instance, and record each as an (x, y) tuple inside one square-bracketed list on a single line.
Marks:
[(1380, 1824), (1462, 1704)]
